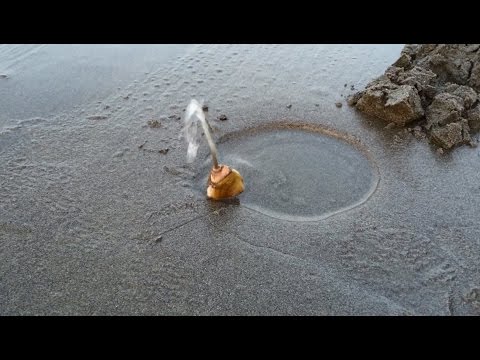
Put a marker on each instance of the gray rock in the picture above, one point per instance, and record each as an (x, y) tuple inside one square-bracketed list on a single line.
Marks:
[(474, 80), (418, 77), (353, 99), (404, 61), (473, 118), (449, 63), (392, 103), (438, 81), (466, 93), (451, 135), (445, 108)]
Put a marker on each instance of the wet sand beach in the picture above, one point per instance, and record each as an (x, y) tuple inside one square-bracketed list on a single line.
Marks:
[(100, 214)]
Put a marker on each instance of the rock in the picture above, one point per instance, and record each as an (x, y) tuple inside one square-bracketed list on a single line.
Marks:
[(445, 108), (403, 61), (440, 82), (451, 135), (154, 123), (466, 93), (449, 62), (418, 77), (222, 118), (469, 47), (429, 92), (473, 118), (392, 73), (353, 99), (411, 49), (418, 133), (474, 80), (422, 50), (392, 103), (338, 104)]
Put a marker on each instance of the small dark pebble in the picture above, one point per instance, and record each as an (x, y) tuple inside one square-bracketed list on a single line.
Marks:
[(3, 76), (154, 123), (222, 117), (289, 106), (163, 151), (345, 85), (352, 87), (205, 108), (141, 146), (158, 239), (317, 104), (338, 104)]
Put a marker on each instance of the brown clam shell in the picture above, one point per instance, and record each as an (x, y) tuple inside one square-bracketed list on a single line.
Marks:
[(224, 183)]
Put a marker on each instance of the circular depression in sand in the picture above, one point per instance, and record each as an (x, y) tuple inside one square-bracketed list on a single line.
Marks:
[(297, 172)]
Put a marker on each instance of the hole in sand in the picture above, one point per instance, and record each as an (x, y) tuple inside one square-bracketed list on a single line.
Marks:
[(297, 172)]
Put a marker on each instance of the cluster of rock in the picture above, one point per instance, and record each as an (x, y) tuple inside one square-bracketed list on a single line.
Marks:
[(434, 87)]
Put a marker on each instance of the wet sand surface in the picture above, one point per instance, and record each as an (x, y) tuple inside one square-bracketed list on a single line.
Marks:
[(97, 217)]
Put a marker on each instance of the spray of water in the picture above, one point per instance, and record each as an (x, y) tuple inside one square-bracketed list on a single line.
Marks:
[(193, 115)]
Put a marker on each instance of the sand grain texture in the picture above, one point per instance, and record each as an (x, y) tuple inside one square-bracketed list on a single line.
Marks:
[(83, 203)]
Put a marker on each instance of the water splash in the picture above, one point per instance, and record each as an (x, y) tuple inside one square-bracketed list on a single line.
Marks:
[(193, 115)]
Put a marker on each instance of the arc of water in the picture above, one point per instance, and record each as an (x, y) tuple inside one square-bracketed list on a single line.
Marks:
[(194, 114)]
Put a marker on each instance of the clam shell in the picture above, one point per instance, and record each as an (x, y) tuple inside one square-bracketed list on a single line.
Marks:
[(228, 186)]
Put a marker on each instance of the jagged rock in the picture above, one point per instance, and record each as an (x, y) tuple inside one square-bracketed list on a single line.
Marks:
[(418, 77), (392, 103), (466, 93), (439, 83), (451, 135), (445, 108), (473, 118), (474, 80), (449, 63), (353, 99), (404, 61)]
